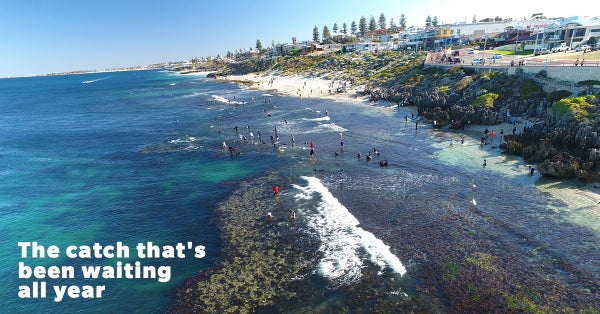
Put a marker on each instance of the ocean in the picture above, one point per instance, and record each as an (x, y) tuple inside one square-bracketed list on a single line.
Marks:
[(187, 163)]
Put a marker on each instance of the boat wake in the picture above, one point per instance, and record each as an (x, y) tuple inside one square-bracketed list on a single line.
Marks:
[(96, 80)]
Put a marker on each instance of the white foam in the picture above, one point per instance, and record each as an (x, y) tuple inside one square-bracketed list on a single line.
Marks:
[(96, 80), (225, 100), (329, 127), (342, 240)]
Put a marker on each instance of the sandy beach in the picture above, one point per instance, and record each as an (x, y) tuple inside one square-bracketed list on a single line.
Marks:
[(303, 87)]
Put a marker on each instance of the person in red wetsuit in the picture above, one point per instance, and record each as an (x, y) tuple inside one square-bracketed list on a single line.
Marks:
[(275, 189)]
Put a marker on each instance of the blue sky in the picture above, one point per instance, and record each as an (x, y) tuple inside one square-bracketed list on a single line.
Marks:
[(38, 37)]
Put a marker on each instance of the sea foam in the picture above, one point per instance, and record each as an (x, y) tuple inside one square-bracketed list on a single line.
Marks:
[(343, 243)]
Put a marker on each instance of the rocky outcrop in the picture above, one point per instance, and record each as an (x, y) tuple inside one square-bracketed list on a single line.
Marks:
[(562, 149)]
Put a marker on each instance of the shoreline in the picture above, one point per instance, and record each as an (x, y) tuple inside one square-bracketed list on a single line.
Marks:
[(315, 87), (302, 87)]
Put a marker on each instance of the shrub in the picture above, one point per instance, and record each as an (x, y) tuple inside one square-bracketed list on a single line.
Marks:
[(542, 73), (576, 109), (485, 100), (529, 89), (558, 95)]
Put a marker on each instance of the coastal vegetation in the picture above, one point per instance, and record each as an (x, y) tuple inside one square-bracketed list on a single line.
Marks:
[(576, 109)]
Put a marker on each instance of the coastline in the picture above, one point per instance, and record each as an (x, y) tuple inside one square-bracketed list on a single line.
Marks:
[(469, 231), (300, 86), (314, 87)]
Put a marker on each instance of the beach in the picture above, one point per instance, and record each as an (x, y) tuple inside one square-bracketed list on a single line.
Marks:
[(138, 156), (302, 87)]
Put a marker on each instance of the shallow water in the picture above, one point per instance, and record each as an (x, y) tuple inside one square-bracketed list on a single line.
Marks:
[(137, 156)]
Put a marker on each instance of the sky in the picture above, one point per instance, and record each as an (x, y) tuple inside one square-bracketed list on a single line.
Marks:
[(39, 37)]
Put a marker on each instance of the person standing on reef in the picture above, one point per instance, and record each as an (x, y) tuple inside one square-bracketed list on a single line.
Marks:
[(275, 189), (484, 163), (416, 125)]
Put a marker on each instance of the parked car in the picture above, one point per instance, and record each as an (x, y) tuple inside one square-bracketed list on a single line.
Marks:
[(497, 56), (583, 48), (562, 47), (477, 61), (542, 51), (471, 51)]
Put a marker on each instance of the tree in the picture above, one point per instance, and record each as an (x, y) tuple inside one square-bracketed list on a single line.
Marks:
[(372, 24), (392, 24), (362, 24), (345, 28), (335, 28), (428, 21), (474, 19), (434, 22), (258, 45), (316, 34), (592, 42), (353, 28), (402, 21), (326, 33), (382, 22)]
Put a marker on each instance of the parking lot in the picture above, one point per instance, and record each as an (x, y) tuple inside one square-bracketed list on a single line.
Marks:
[(474, 57)]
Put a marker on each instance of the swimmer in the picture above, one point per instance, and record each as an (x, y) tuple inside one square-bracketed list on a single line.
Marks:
[(275, 189), (292, 214), (269, 217)]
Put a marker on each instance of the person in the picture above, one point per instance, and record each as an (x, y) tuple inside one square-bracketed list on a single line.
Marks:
[(451, 143), (416, 125), (484, 163), (341, 173), (292, 213), (531, 170), (269, 217), (275, 189), (462, 140)]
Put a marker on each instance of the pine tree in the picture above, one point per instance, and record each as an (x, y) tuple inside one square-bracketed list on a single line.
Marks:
[(326, 33), (335, 28), (402, 21), (353, 28), (362, 24), (428, 21), (382, 22), (344, 28), (315, 34), (258, 45), (392, 24), (434, 22), (372, 24)]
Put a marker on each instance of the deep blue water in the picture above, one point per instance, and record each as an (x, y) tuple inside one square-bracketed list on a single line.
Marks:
[(137, 156)]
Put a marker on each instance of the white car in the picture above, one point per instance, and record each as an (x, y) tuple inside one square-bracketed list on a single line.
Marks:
[(477, 61), (583, 48)]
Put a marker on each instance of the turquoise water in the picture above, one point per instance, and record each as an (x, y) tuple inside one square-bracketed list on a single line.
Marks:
[(106, 161), (138, 156)]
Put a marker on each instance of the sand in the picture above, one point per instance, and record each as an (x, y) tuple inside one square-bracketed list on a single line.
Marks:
[(304, 87)]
